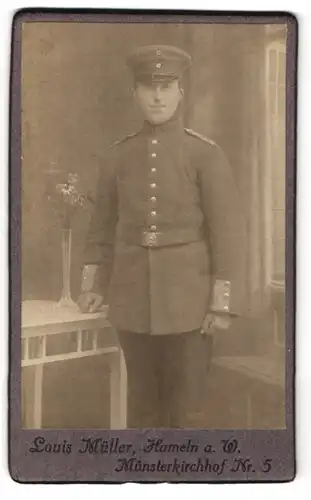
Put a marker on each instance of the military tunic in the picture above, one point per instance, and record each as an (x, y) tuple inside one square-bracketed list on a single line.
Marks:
[(167, 235)]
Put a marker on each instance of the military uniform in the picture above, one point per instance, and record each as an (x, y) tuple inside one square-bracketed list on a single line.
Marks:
[(165, 247)]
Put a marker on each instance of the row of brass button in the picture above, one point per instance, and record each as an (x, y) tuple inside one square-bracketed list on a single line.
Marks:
[(153, 185)]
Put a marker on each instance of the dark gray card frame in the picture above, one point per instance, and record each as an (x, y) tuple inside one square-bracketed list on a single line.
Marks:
[(259, 445)]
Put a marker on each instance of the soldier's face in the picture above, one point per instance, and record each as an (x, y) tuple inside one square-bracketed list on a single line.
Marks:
[(158, 100)]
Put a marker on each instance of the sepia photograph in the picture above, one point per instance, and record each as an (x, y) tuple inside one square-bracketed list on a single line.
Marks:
[(153, 225)]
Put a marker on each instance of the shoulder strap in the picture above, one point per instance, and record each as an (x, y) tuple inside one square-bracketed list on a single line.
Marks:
[(120, 141), (191, 132)]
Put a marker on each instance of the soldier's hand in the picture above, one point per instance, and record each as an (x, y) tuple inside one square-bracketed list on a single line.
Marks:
[(213, 321), (90, 302)]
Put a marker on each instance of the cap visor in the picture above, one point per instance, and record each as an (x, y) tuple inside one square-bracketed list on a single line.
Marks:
[(156, 77)]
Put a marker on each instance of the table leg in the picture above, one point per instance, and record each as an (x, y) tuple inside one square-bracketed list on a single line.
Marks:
[(37, 413), (118, 391)]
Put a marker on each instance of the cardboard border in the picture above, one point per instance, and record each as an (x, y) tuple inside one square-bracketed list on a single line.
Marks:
[(258, 445)]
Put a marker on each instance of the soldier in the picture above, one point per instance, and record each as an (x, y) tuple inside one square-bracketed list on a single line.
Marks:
[(165, 247)]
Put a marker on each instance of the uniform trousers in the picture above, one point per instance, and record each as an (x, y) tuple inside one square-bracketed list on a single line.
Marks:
[(166, 378)]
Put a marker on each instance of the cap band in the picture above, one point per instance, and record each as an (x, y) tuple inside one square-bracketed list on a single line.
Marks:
[(161, 62)]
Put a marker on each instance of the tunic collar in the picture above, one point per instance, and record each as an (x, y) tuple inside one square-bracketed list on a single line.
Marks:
[(171, 127)]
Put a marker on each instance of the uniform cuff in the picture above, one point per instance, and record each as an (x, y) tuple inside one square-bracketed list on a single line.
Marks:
[(90, 277), (221, 298)]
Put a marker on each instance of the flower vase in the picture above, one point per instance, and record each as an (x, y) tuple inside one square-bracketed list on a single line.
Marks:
[(66, 300)]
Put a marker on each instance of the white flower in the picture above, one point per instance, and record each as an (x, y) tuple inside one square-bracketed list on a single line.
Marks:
[(73, 178)]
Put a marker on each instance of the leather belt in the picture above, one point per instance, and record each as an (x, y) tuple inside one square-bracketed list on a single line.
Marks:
[(152, 239)]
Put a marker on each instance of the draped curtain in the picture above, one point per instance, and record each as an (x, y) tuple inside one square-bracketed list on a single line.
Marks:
[(228, 104)]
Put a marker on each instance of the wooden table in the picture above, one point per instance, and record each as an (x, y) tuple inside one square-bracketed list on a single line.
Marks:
[(41, 319)]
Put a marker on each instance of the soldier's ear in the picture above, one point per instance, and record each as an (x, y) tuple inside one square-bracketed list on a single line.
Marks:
[(134, 95), (134, 90), (181, 89)]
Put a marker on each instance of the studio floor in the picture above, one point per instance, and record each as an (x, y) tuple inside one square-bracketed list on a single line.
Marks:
[(241, 392)]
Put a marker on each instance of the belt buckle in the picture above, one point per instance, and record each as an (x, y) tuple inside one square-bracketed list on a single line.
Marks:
[(150, 239)]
